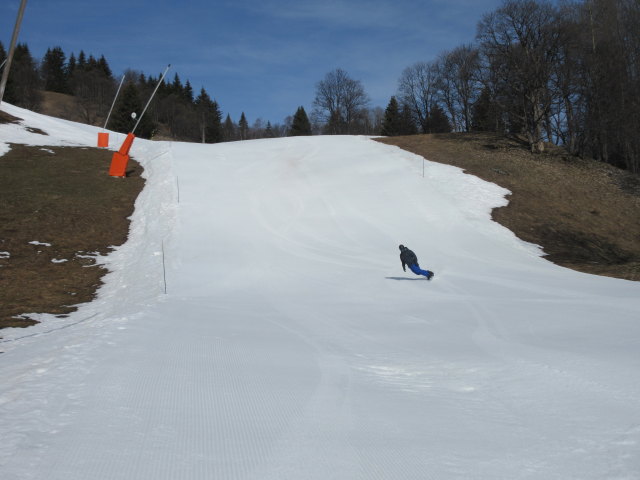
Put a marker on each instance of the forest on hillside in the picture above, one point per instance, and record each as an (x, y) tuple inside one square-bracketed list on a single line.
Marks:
[(176, 111), (566, 73)]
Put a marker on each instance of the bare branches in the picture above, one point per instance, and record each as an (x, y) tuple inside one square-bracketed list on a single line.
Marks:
[(340, 101)]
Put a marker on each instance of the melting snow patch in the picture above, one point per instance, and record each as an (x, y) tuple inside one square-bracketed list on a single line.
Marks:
[(88, 255), (35, 242), (4, 255), (59, 260)]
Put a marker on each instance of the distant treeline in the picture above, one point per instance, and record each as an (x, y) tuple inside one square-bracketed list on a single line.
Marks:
[(566, 74), (176, 111)]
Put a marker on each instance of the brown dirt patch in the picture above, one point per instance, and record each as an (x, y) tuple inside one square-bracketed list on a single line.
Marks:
[(60, 105), (585, 214), (6, 118), (62, 197)]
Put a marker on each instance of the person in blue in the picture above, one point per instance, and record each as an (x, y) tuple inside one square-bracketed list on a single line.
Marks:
[(408, 258)]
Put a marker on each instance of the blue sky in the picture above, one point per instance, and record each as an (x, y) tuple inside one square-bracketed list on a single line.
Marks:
[(261, 57)]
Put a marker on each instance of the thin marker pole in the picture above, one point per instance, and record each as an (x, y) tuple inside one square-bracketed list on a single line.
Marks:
[(164, 270), (151, 98), (114, 102)]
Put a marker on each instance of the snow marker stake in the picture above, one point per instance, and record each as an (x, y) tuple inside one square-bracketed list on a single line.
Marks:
[(164, 270)]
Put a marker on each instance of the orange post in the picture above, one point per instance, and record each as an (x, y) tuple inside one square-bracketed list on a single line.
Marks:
[(118, 165), (126, 145), (121, 158), (103, 139)]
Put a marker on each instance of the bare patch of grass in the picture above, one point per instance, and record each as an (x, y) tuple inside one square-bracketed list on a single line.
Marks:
[(59, 210), (585, 214), (7, 118)]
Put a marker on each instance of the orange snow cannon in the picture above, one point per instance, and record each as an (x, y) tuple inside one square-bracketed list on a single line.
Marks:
[(121, 158), (126, 145)]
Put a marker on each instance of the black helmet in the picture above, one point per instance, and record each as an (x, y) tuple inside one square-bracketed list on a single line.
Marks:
[(402, 247)]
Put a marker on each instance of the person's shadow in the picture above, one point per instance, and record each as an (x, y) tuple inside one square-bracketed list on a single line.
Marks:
[(405, 278)]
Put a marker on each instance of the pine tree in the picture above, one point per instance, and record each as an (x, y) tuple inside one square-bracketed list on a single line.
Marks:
[(54, 71), (438, 122), (71, 66), (229, 130), (484, 116), (82, 60), (176, 86), (407, 121), (392, 123), (268, 132), (215, 126), (187, 92), (243, 127), (23, 85), (92, 64), (103, 66), (300, 125), (209, 117)]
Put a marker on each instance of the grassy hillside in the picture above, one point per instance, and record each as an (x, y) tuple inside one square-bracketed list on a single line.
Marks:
[(585, 214), (59, 209)]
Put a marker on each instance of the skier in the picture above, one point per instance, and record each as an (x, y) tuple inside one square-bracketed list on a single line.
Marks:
[(407, 257)]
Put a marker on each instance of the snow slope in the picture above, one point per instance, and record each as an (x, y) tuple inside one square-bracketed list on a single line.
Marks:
[(291, 345)]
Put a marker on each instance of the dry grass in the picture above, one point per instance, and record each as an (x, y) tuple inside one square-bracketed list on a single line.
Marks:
[(62, 197), (61, 105), (7, 118), (585, 214)]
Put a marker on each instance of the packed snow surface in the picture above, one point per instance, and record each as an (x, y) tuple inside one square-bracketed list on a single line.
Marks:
[(291, 345)]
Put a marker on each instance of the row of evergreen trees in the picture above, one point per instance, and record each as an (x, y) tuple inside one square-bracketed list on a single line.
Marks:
[(399, 120), (175, 113)]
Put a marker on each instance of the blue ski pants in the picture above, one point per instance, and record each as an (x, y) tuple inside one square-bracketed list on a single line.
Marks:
[(418, 271)]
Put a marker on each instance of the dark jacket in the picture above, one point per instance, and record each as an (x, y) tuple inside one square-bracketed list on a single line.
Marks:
[(407, 257)]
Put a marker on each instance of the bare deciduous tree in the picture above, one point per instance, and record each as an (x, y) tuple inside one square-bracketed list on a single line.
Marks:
[(418, 89), (521, 42), (460, 86), (339, 102)]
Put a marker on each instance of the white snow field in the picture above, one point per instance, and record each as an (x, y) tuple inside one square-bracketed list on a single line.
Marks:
[(291, 345)]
